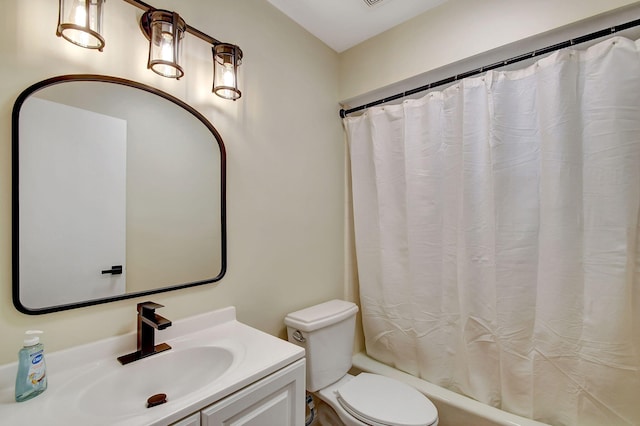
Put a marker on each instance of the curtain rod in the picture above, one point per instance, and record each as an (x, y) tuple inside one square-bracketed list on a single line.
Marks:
[(529, 55)]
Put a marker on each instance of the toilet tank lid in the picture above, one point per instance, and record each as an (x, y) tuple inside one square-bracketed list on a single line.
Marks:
[(322, 315)]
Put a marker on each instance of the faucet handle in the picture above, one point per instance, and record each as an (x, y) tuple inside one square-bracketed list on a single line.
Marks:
[(149, 306)]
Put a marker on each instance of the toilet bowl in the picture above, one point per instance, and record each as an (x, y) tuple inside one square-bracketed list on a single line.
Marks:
[(381, 405), (326, 331)]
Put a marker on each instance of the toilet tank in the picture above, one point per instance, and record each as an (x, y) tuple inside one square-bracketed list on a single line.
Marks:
[(326, 332)]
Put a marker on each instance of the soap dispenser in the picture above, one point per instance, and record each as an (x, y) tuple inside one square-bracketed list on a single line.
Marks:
[(31, 379)]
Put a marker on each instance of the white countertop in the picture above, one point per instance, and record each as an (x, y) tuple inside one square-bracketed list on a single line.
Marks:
[(256, 355)]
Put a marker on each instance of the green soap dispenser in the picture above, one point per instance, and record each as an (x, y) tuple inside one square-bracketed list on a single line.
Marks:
[(31, 379)]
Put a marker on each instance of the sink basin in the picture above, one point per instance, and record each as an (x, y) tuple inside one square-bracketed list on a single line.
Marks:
[(175, 373)]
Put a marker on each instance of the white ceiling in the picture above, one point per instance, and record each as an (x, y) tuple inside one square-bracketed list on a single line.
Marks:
[(342, 24)]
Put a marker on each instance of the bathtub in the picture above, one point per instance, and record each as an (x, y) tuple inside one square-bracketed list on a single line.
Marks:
[(453, 409)]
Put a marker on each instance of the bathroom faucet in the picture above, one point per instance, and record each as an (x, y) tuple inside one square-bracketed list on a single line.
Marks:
[(148, 322)]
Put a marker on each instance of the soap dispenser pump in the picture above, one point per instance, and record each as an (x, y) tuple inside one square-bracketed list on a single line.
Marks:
[(31, 379)]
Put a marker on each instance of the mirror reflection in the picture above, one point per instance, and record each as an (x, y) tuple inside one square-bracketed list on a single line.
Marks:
[(119, 191)]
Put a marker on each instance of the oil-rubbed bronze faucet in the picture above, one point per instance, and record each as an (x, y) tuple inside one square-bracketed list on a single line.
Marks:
[(148, 322)]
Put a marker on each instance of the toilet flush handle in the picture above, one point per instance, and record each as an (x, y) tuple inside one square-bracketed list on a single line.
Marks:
[(298, 337)]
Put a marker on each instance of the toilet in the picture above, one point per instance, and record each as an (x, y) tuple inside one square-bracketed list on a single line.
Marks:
[(326, 331)]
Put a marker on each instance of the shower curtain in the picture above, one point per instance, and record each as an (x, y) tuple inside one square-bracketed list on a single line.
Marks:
[(497, 238)]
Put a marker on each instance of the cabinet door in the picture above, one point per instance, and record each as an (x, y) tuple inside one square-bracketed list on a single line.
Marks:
[(192, 420), (276, 400)]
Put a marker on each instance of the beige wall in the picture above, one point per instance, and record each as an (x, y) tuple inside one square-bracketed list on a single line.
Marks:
[(456, 30), (285, 159)]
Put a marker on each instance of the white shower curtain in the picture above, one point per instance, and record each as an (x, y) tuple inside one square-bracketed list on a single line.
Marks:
[(497, 237)]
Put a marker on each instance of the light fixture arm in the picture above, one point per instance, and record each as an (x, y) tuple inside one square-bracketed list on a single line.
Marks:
[(191, 30)]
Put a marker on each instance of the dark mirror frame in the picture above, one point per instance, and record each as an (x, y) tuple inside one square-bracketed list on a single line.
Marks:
[(15, 144)]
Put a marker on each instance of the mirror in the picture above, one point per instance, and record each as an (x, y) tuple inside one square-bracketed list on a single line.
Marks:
[(118, 192)]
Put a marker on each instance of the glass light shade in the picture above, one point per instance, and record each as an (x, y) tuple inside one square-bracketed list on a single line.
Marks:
[(226, 59), (80, 22), (166, 30)]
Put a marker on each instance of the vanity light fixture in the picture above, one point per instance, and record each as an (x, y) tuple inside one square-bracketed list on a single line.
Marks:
[(80, 22)]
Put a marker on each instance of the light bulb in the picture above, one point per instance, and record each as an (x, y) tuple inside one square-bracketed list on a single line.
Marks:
[(165, 53), (79, 14), (228, 76), (166, 47), (79, 17)]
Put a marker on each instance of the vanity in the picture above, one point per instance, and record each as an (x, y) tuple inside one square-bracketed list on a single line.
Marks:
[(217, 372)]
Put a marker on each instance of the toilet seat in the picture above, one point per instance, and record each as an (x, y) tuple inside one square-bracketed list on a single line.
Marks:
[(381, 401)]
